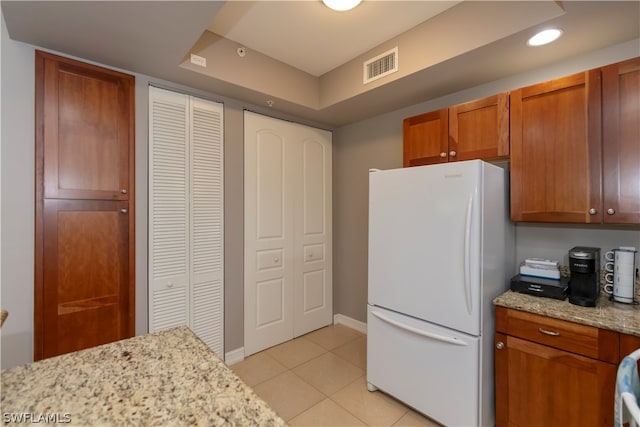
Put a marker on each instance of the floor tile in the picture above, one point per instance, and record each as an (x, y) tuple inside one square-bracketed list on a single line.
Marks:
[(354, 352), (296, 352), (414, 419), (324, 414), (328, 373), (288, 395), (374, 408), (333, 336), (257, 368)]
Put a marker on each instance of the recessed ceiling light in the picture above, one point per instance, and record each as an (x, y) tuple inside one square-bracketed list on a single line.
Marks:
[(341, 5), (544, 37)]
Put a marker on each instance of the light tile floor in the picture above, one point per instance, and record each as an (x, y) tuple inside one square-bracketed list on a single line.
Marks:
[(319, 380)]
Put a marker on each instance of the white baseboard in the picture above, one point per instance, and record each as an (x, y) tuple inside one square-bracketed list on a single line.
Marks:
[(234, 356), (350, 322)]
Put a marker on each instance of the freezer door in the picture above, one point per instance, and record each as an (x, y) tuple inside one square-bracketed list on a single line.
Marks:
[(424, 243), (433, 369)]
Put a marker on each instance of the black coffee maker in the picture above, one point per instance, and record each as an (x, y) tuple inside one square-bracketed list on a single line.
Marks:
[(584, 285)]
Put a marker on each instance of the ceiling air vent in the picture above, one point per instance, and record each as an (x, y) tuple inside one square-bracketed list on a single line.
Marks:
[(381, 65)]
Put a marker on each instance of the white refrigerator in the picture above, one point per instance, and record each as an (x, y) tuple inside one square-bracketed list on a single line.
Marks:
[(441, 247)]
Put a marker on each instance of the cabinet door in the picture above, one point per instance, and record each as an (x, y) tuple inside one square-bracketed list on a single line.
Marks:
[(538, 385), (555, 150), (87, 130), (84, 280), (479, 129), (426, 138), (621, 142), (86, 296)]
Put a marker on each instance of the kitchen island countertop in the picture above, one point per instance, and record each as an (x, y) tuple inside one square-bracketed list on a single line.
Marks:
[(619, 317), (164, 378)]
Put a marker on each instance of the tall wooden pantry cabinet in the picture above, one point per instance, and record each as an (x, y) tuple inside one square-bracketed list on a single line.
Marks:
[(84, 228)]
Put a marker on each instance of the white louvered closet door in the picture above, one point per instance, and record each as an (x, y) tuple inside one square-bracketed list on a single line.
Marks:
[(186, 215)]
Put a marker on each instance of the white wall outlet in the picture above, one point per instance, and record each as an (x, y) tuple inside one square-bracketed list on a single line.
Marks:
[(198, 60)]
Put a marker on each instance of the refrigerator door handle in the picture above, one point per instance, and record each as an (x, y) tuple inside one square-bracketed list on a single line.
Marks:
[(450, 340), (467, 254)]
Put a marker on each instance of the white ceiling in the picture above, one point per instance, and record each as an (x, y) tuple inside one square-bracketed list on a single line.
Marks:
[(154, 37), (313, 38)]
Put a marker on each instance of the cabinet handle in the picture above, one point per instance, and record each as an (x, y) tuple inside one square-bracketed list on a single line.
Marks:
[(499, 345), (452, 153), (443, 154), (123, 191), (123, 210), (552, 333), (611, 211), (276, 260), (592, 211)]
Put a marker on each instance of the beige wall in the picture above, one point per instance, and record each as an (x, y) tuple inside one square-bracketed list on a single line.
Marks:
[(17, 201), (377, 143), (372, 143)]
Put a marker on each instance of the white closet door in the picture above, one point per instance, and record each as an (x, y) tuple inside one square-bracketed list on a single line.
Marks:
[(207, 225), (313, 290), (268, 266), (288, 288), (186, 212), (168, 209)]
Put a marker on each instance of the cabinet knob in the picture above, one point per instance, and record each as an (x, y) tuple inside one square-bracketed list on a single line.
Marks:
[(170, 285), (123, 191), (443, 154), (123, 210), (452, 153), (611, 211), (592, 211), (499, 345), (276, 260)]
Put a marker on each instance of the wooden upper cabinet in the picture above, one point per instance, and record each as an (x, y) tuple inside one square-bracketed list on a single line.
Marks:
[(88, 131), (555, 131), (426, 138), (479, 129), (621, 142), (475, 130)]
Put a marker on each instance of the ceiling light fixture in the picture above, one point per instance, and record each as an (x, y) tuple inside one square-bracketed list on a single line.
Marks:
[(544, 37), (341, 5)]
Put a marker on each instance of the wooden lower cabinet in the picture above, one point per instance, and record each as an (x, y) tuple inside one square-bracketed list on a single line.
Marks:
[(86, 288), (548, 382)]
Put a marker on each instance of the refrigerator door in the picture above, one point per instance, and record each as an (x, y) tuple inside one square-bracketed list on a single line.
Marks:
[(424, 243), (432, 369)]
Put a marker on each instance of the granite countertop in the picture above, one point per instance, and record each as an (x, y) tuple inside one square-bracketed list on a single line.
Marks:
[(606, 314), (165, 378)]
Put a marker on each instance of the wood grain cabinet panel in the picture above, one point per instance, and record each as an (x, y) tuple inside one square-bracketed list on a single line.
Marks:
[(84, 287), (479, 129), (474, 130), (426, 139), (86, 292), (621, 142), (555, 150), (550, 372)]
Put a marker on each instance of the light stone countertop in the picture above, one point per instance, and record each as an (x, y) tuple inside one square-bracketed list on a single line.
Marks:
[(619, 317), (168, 378)]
